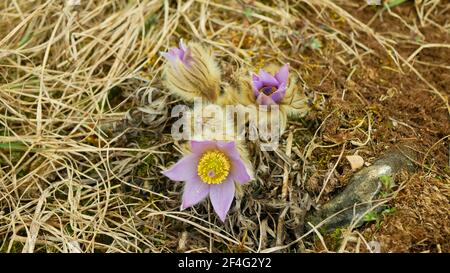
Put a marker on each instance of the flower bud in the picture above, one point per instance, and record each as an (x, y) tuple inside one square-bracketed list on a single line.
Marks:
[(192, 72)]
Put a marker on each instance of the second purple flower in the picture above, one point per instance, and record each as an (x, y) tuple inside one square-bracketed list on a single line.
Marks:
[(270, 89)]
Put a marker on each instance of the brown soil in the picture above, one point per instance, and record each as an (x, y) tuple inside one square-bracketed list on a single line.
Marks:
[(422, 218), (405, 111)]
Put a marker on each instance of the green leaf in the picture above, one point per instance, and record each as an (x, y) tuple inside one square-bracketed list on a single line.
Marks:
[(24, 39), (248, 12), (150, 21), (315, 44), (337, 234), (370, 217), (387, 181), (17, 146), (13, 146), (394, 3), (389, 211)]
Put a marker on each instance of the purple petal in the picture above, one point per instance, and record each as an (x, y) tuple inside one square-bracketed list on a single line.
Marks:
[(239, 171), (257, 83), (229, 147), (199, 147), (256, 93), (170, 57), (177, 52), (194, 192), (222, 196), (283, 74), (267, 79), (181, 53), (264, 100), (278, 95), (185, 169)]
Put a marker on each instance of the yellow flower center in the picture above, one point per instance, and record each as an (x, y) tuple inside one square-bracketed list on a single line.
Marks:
[(213, 167)]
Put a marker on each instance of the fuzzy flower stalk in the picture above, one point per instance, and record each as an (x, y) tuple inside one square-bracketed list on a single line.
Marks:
[(211, 169), (191, 72)]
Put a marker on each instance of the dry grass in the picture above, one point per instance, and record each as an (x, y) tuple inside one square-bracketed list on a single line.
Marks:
[(85, 121)]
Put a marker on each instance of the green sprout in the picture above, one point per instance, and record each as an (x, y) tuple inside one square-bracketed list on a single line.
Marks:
[(377, 217), (394, 3), (248, 12), (315, 44), (371, 216), (387, 181)]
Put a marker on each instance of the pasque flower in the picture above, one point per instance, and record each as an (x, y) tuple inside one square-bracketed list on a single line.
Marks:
[(191, 72), (275, 88), (270, 89), (211, 169)]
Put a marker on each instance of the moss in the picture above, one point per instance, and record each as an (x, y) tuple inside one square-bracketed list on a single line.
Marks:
[(15, 248), (144, 141), (142, 169), (150, 22), (335, 237), (447, 169)]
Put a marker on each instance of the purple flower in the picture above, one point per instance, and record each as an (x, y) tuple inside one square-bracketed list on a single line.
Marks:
[(270, 89), (183, 53), (211, 169)]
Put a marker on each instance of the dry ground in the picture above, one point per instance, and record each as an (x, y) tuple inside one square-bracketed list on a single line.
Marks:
[(85, 122)]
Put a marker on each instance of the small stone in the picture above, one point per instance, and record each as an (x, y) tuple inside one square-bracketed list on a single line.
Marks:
[(355, 161)]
